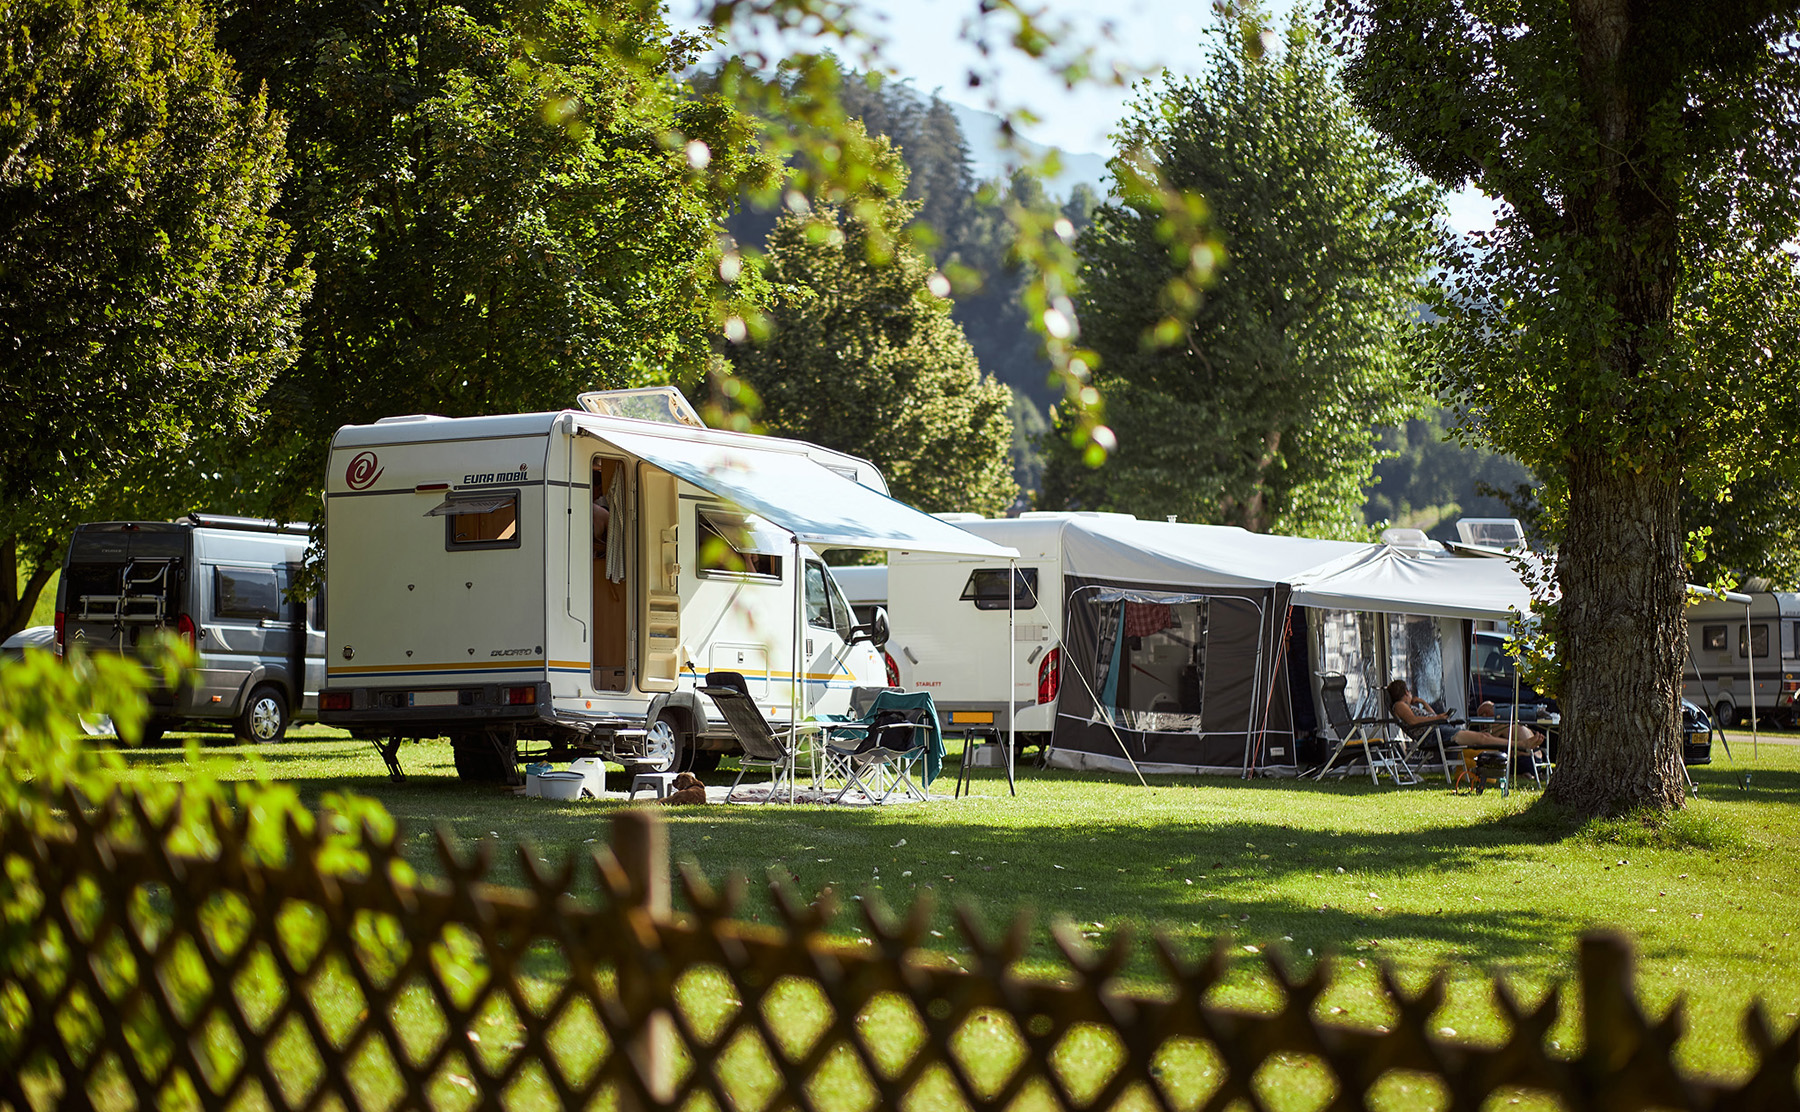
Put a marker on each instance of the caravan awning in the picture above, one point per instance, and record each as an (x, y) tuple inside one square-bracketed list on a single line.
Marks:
[(1390, 581), (809, 500)]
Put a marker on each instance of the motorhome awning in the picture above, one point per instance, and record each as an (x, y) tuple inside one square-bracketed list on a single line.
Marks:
[(1390, 581), (811, 501)]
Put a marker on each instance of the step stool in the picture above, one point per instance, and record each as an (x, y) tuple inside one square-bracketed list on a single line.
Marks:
[(661, 783)]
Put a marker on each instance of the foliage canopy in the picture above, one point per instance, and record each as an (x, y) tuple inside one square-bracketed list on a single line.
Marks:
[(1252, 403)]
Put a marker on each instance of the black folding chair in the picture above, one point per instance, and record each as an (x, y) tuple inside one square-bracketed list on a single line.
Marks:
[(764, 747), (1366, 738)]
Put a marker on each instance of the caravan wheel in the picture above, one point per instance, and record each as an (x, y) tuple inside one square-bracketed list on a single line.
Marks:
[(666, 744), (486, 758), (1725, 714)]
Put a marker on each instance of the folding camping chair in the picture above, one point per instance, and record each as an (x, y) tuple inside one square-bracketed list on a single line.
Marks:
[(763, 745), (1421, 735), (880, 754), (1366, 737)]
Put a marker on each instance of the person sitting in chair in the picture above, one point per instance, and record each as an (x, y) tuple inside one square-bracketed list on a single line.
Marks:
[(1415, 714)]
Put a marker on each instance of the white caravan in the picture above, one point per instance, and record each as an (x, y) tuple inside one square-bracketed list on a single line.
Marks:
[(568, 579), (1734, 645), (1174, 647)]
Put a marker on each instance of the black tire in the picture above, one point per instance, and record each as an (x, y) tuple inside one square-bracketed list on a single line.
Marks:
[(265, 716), (1725, 715), (667, 744), (487, 758), (153, 732), (703, 760)]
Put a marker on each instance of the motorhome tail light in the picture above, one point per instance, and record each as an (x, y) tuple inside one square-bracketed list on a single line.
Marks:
[(518, 696), (334, 700), (1050, 676), (61, 621), (893, 669), (1789, 685), (184, 627)]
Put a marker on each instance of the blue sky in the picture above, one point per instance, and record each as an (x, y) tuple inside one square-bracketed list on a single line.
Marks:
[(929, 42)]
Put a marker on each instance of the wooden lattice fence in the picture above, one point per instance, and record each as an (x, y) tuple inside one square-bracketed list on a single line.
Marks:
[(132, 976)]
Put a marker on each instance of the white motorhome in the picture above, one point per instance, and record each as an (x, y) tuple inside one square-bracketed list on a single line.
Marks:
[(566, 580), (1730, 644)]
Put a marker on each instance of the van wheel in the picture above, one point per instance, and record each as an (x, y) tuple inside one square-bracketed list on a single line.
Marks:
[(1725, 715), (666, 744), (486, 758), (265, 716), (154, 729)]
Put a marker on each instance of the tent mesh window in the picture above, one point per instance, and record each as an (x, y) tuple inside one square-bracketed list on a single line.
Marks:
[(1416, 655)]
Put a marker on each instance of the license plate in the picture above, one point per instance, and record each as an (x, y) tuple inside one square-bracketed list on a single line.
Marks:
[(431, 698), (971, 718)]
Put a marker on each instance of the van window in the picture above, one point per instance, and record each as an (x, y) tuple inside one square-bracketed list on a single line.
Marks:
[(818, 600), (246, 593), (1757, 638), (735, 545), (986, 588), (1712, 639), (825, 605), (480, 520)]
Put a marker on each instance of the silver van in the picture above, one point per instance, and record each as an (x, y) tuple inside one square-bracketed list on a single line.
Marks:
[(219, 582)]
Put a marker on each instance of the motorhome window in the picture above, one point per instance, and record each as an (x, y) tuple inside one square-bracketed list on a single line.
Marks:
[(986, 588), (734, 545), (1712, 639), (818, 599), (1758, 639), (250, 593), (479, 520)]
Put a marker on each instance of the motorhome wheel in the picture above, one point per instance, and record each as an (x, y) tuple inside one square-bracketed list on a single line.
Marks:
[(265, 716), (1725, 715), (704, 760), (666, 744), (153, 731)]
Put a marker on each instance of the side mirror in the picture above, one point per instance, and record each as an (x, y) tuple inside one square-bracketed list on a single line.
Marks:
[(875, 633)]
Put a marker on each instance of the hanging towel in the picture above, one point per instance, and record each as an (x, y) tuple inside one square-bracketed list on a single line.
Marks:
[(615, 529)]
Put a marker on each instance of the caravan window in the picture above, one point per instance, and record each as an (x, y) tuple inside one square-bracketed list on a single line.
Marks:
[(480, 520), (736, 545), (249, 593), (1712, 639), (1757, 637), (986, 588)]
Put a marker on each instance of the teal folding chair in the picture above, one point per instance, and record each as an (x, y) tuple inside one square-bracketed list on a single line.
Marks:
[(880, 754)]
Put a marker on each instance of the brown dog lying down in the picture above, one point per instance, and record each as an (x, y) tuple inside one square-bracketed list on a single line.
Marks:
[(688, 789)]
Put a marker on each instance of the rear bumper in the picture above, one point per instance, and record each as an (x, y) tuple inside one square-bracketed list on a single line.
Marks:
[(445, 710)]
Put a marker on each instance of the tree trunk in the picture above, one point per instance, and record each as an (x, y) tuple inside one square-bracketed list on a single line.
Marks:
[(1623, 583), (16, 601)]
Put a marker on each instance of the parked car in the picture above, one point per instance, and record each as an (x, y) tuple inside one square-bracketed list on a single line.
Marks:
[(36, 637), (219, 582)]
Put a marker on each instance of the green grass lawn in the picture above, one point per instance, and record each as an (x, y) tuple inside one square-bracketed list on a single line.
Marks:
[(1420, 877)]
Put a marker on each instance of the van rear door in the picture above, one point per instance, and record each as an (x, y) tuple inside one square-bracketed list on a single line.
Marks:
[(121, 581)]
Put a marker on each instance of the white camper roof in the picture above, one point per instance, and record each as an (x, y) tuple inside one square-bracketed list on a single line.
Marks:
[(1167, 552), (1388, 580), (826, 498)]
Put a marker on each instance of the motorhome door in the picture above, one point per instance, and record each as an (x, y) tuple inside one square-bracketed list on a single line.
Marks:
[(659, 586)]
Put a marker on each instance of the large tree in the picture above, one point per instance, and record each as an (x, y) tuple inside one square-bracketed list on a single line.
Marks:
[(1254, 402), (505, 202), (146, 294), (1608, 333), (864, 357)]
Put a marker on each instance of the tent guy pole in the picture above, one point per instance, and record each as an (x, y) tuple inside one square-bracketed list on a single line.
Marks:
[(1750, 657), (1012, 669), (1511, 729), (794, 696)]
